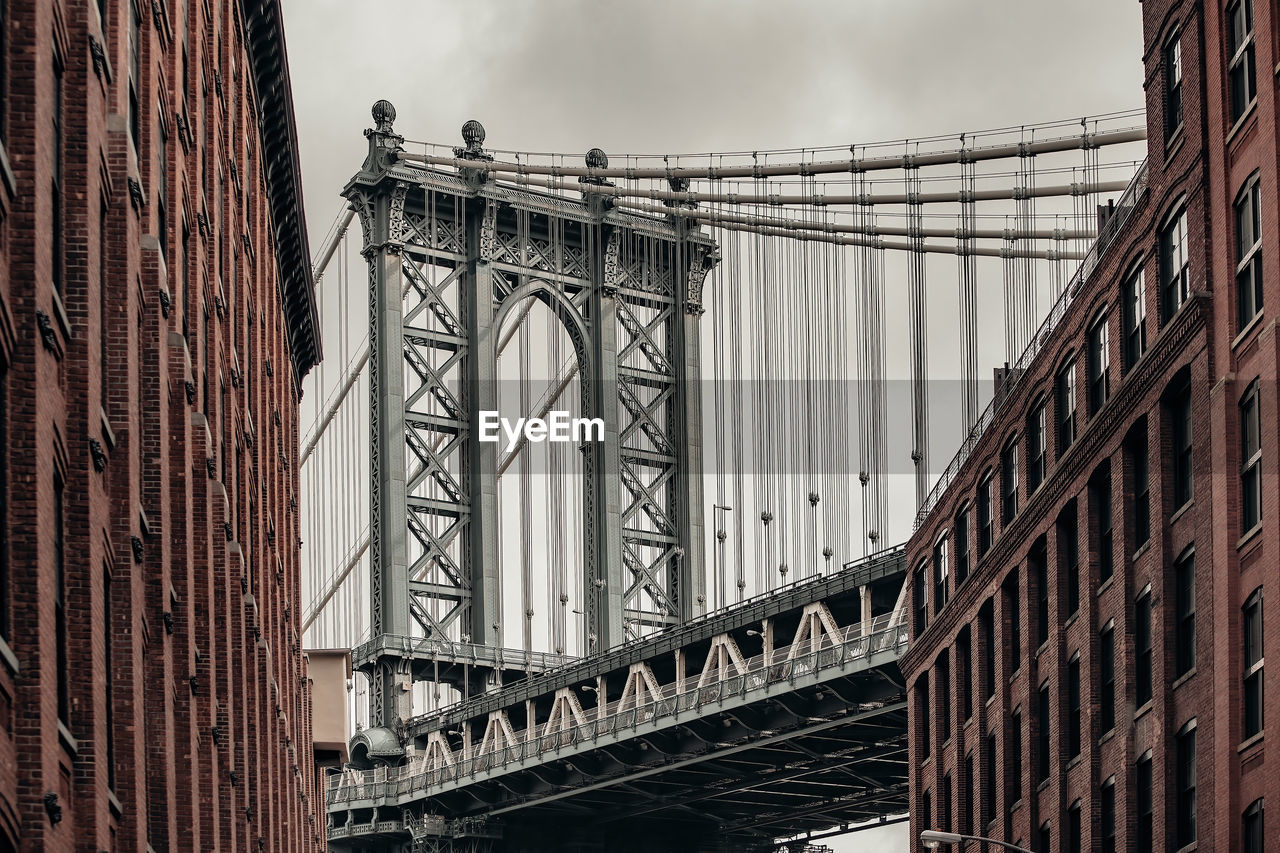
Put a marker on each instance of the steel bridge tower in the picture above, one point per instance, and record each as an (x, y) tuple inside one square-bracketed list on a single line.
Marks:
[(449, 256)]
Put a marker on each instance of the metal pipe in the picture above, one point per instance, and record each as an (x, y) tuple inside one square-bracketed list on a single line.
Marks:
[(716, 217), (853, 165), (824, 200)]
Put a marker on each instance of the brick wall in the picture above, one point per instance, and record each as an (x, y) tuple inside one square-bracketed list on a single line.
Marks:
[(165, 703), (1202, 165)]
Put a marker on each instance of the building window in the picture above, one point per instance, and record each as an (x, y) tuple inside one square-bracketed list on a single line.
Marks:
[(1146, 806), (986, 517), (1042, 734), (4, 70), (987, 624), (1173, 86), (60, 600), (1100, 503), (1180, 413), (1065, 391), (135, 74), (6, 589), (1035, 447), (989, 789), (1038, 570), (942, 671), (57, 201), (961, 537), (1009, 482), (926, 809), (1184, 603), (1069, 558), (1013, 748), (940, 572), (1107, 816), (1142, 648), (1075, 720), (964, 662), (1044, 839), (944, 803), (1251, 837), (1141, 467), (1253, 707), (1249, 253), (1240, 69), (1107, 679), (1135, 316), (1175, 282), (1074, 829), (1013, 608), (922, 597), (108, 653), (1099, 365), (1185, 769), (967, 798), (923, 712), (1250, 459)]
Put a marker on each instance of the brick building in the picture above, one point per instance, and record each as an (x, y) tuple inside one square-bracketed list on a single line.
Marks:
[(156, 319), (1086, 668)]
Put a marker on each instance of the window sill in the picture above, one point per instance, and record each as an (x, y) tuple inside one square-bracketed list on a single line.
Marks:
[(1251, 741), (1075, 761), (9, 658), (1237, 128), (1017, 805), (1143, 710), (1187, 848), (64, 322), (1174, 143), (1181, 511), (991, 699), (1107, 736), (1042, 785), (67, 740), (968, 722), (6, 173), (1014, 677), (1251, 534), (1071, 620), (1183, 679), (1142, 549), (1248, 330), (1041, 650), (114, 803), (1106, 584)]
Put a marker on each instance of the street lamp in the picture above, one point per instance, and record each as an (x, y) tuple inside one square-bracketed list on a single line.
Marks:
[(933, 839)]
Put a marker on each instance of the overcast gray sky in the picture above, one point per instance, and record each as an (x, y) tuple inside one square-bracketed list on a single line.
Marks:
[(694, 75)]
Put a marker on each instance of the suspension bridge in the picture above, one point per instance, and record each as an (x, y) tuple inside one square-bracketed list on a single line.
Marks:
[(682, 635)]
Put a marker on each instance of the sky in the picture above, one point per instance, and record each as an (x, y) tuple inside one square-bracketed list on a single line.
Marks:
[(693, 76)]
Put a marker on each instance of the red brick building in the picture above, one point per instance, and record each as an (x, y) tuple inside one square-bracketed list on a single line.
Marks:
[(1088, 593), (156, 319)]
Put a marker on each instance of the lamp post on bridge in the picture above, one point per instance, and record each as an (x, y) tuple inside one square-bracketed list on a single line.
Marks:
[(934, 839)]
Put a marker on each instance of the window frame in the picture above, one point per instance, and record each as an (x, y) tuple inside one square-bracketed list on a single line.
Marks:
[(1172, 57), (1144, 803), (1185, 785), (1241, 58), (1181, 413), (1248, 258), (1098, 361), (1133, 313), (1037, 445), (1065, 404), (1250, 458), (940, 572), (1253, 665), (986, 507), (1107, 677), (1175, 284), (1253, 835), (1075, 712), (1009, 484), (1143, 648), (1184, 613), (960, 533)]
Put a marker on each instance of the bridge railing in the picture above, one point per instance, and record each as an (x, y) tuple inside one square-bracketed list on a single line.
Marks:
[(887, 632), (752, 608), (1106, 234)]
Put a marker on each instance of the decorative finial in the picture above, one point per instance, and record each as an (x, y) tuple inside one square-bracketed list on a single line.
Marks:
[(384, 113), (597, 159), (473, 136)]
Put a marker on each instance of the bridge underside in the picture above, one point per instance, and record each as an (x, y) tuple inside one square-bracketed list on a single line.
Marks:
[(821, 756)]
